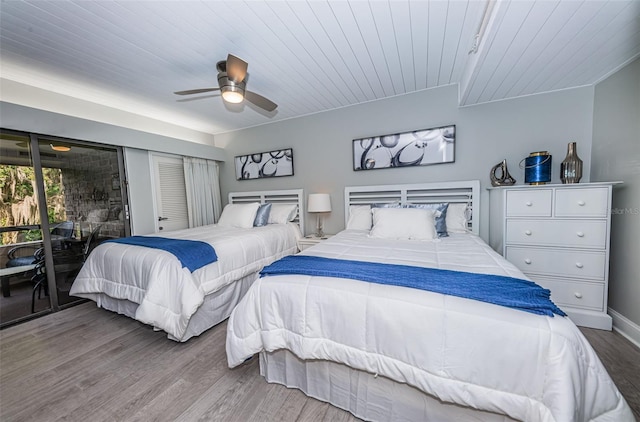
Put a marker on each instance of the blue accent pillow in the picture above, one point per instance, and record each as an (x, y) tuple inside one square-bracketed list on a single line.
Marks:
[(262, 215), (441, 220)]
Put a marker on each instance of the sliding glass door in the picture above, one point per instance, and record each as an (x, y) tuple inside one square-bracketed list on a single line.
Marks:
[(79, 200)]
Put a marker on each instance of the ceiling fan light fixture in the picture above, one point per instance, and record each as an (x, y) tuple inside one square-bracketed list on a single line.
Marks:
[(232, 82), (232, 92), (60, 148), (233, 97)]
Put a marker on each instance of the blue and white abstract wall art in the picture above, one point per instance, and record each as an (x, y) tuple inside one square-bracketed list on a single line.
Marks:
[(416, 148)]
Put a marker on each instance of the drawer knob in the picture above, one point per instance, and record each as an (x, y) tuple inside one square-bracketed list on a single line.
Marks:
[(581, 203), (529, 203), (580, 234), (578, 295), (527, 261), (579, 264), (527, 232)]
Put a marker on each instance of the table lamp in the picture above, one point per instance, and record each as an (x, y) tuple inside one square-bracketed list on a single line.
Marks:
[(319, 203)]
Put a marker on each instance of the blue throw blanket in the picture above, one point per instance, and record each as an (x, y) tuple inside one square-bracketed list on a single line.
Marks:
[(193, 254), (499, 290)]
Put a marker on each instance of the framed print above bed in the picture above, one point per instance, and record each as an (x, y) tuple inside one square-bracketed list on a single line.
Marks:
[(415, 148), (264, 164)]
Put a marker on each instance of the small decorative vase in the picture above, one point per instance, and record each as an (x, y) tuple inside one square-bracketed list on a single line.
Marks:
[(571, 167), (505, 179)]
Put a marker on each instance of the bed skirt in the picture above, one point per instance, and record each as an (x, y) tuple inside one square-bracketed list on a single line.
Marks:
[(216, 307), (367, 396)]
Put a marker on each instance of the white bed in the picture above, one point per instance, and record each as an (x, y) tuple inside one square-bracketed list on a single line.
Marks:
[(151, 285), (394, 353)]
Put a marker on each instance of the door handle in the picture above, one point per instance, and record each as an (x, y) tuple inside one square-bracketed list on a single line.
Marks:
[(162, 218)]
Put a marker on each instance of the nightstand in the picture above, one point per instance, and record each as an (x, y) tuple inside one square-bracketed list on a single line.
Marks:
[(309, 241)]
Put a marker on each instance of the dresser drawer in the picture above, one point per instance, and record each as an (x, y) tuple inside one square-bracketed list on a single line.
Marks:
[(576, 264), (529, 203), (574, 293), (570, 233), (587, 202)]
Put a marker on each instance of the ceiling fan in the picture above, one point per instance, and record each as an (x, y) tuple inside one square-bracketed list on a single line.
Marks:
[(232, 75)]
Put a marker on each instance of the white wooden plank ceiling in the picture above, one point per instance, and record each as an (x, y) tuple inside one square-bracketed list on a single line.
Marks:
[(309, 57)]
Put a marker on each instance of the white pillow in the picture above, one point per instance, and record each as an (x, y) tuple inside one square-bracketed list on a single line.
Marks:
[(359, 217), (239, 215), (282, 213), (403, 223), (457, 218)]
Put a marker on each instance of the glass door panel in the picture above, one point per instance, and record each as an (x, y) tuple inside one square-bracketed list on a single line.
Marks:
[(20, 233), (84, 204)]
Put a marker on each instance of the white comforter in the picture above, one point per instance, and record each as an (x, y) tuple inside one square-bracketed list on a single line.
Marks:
[(527, 366), (168, 294)]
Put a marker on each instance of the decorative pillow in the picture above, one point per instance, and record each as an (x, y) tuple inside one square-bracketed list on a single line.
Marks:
[(262, 215), (282, 213), (440, 214), (403, 223), (457, 218), (359, 217), (239, 215), (98, 216)]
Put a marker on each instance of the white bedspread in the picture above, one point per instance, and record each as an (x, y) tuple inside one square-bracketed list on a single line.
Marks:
[(168, 294), (527, 366)]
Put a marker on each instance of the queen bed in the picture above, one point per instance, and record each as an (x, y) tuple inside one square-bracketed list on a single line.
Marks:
[(391, 352), (185, 293)]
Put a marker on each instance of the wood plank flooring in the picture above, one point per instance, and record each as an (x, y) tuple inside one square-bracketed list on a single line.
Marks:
[(86, 363)]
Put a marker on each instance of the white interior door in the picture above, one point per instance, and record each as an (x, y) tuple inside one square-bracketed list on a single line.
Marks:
[(170, 193)]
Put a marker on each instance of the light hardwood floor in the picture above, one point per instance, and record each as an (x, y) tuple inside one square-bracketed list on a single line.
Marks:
[(88, 364)]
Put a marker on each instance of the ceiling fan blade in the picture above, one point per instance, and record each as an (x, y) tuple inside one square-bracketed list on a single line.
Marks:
[(236, 68), (196, 91), (260, 101)]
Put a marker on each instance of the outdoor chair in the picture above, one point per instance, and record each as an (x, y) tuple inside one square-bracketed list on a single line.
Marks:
[(67, 264)]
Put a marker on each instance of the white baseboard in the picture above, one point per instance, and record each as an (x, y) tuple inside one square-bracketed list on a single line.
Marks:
[(626, 327)]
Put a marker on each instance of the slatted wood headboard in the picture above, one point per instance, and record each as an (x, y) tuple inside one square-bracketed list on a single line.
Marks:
[(288, 196), (462, 192)]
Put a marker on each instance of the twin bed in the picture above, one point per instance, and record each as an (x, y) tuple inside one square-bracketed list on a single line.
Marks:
[(385, 352), (152, 286), (381, 351)]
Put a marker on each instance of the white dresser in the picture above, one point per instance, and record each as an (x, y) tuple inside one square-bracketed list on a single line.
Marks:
[(558, 235)]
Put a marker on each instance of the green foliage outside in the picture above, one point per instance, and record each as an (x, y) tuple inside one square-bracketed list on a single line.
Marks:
[(18, 201)]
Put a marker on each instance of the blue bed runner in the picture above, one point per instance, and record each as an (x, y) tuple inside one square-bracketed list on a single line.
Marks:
[(500, 290), (193, 254)]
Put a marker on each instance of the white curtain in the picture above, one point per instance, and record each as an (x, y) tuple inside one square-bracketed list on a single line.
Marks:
[(203, 191)]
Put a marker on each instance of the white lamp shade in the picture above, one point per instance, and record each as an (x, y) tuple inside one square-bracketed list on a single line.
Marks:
[(319, 202), (234, 97)]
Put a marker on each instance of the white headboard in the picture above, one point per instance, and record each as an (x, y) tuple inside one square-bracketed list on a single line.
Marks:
[(289, 196), (467, 192)]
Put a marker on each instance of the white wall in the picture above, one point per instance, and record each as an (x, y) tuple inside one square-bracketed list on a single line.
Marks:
[(616, 156), (486, 134), (123, 112), (14, 116)]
